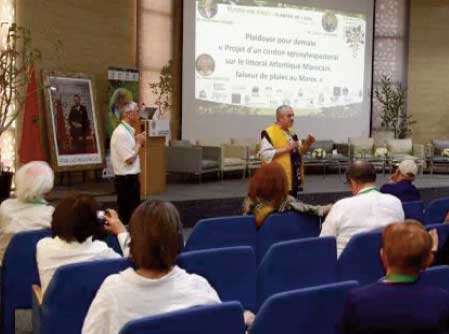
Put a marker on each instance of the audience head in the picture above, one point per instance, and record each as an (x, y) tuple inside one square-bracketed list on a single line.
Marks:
[(130, 111), (406, 171), (360, 174), (269, 184), (120, 97), (406, 248), (75, 218), (285, 117), (33, 180), (155, 231)]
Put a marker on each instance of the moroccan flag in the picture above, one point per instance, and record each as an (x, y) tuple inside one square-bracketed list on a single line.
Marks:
[(31, 145)]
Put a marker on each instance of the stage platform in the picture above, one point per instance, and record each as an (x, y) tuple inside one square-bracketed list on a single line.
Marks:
[(220, 198)]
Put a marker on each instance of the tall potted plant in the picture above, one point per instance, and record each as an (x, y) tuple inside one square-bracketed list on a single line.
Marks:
[(16, 59), (392, 97), (164, 88)]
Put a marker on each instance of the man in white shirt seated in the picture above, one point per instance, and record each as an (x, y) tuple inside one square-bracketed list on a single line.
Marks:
[(125, 147), (366, 210)]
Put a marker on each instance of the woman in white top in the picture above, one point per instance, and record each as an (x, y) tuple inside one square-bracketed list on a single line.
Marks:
[(156, 285), (74, 227), (29, 210)]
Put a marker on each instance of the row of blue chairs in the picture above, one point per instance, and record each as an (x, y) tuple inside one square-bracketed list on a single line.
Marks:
[(433, 213), (290, 309), (241, 231), (309, 311)]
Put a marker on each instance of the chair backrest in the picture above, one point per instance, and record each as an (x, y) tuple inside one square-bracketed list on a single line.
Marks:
[(436, 211), (414, 210), (297, 264), (71, 291), (311, 310), (231, 272), (222, 318), (360, 260), (437, 276), (443, 233), (283, 227), (223, 232), (19, 272)]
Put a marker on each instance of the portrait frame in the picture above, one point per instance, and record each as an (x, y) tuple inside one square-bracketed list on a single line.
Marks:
[(75, 134)]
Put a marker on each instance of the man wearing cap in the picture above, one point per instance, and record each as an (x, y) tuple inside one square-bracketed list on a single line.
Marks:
[(401, 184)]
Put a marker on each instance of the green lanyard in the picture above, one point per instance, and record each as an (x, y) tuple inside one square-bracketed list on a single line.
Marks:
[(367, 191), (397, 278), (39, 202), (127, 128)]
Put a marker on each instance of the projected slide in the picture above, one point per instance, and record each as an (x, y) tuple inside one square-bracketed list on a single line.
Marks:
[(261, 57)]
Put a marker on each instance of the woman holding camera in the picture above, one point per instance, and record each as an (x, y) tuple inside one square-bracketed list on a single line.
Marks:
[(74, 227)]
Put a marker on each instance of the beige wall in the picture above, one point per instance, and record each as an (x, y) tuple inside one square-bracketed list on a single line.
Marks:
[(428, 95), (95, 34)]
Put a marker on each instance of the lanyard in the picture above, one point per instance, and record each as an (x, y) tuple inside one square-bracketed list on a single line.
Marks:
[(397, 278), (127, 128), (39, 202), (367, 191)]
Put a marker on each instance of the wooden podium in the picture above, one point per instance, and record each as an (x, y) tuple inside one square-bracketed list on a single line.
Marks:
[(153, 165)]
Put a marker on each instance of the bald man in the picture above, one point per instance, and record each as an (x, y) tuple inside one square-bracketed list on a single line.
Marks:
[(279, 143), (366, 210), (399, 303)]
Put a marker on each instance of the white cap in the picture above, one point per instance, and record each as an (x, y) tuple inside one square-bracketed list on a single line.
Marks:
[(408, 168)]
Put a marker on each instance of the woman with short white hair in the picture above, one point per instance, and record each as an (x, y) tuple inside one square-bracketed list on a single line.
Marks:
[(29, 210)]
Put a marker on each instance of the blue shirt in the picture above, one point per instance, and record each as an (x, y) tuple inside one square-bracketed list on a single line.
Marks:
[(396, 308), (404, 190)]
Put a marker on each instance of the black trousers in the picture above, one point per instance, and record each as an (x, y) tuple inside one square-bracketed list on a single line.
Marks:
[(127, 188)]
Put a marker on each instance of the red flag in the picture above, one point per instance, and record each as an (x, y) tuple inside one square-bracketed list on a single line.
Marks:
[(31, 145)]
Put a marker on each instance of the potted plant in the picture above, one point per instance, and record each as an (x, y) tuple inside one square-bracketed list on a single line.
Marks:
[(16, 59), (163, 89), (392, 97)]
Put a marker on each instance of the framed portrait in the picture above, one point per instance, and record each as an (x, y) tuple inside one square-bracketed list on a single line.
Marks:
[(76, 138)]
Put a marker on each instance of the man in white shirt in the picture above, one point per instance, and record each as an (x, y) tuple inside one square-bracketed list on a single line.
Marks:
[(125, 146), (366, 210), (280, 144)]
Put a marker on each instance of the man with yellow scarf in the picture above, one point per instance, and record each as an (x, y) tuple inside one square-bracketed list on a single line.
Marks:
[(280, 144)]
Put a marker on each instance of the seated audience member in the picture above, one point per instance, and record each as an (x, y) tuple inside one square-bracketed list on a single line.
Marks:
[(74, 227), (29, 210), (366, 210), (401, 184), (268, 193), (156, 284), (399, 303)]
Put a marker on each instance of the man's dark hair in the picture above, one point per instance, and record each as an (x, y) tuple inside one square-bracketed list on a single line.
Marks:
[(76, 95), (155, 229), (361, 172), (75, 218)]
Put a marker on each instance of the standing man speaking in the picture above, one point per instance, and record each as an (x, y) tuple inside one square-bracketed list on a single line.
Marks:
[(280, 144), (125, 147)]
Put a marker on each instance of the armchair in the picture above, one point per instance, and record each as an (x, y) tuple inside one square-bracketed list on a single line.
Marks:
[(252, 151), (363, 148), (404, 149), (435, 153), (234, 158), (197, 160)]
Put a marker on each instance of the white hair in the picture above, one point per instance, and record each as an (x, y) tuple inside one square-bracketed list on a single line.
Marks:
[(282, 109), (127, 107), (33, 180)]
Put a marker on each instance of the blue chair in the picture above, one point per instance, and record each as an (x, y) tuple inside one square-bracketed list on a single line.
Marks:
[(283, 227), (436, 211), (414, 210), (222, 232), (226, 318), (360, 260), (19, 272), (297, 264), (310, 310), (443, 232), (69, 295), (437, 276), (231, 272)]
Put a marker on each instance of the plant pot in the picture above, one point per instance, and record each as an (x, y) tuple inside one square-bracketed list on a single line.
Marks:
[(5, 185)]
